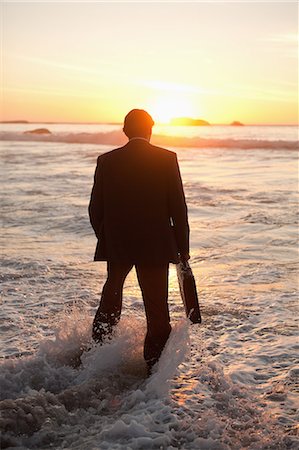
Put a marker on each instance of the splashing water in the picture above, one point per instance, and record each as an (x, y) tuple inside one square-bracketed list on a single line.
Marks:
[(107, 402)]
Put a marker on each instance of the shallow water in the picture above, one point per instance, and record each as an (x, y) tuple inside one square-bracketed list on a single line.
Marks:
[(228, 383)]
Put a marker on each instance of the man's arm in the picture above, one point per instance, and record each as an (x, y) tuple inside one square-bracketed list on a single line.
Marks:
[(95, 208), (178, 210)]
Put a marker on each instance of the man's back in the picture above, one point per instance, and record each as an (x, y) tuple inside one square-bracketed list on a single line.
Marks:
[(137, 193)]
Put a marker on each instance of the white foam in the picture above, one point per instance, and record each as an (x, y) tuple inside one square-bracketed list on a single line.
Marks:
[(175, 352), (109, 403), (116, 138)]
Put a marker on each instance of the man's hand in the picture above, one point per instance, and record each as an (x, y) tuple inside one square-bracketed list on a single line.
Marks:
[(184, 257)]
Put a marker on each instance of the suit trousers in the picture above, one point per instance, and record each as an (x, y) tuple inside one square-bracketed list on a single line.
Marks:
[(153, 282)]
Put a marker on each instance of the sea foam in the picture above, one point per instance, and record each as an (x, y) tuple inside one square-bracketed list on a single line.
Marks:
[(117, 138)]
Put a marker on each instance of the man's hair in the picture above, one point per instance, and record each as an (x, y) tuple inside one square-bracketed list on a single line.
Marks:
[(138, 123)]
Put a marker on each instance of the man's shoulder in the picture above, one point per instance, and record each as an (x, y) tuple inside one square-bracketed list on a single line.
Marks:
[(159, 151), (163, 151), (109, 154)]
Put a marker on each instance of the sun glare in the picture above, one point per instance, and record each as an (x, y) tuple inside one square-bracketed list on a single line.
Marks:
[(165, 108)]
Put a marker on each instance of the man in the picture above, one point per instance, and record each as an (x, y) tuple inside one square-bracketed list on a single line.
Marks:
[(139, 214)]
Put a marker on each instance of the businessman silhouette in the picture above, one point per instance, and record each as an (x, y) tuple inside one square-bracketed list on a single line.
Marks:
[(139, 214)]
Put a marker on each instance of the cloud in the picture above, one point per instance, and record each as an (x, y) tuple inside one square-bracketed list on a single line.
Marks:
[(289, 38), (170, 86), (286, 44)]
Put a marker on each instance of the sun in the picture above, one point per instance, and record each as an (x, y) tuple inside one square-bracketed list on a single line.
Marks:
[(165, 108)]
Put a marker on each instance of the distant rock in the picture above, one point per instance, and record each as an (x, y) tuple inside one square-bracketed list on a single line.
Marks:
[(237, 124), (38, 131), (187, 121)]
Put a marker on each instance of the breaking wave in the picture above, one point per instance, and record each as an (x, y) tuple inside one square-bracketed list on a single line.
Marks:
[(108, 403), (116, 137)]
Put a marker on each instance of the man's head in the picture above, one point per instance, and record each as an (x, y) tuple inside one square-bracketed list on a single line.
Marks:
[(138, 123)]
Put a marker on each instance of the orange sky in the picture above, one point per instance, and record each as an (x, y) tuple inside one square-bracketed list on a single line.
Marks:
[(93, 62)]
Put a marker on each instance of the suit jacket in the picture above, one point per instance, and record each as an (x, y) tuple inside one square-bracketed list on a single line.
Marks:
[(137, 206)]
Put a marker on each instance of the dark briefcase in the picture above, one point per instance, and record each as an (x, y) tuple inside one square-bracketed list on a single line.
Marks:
[(188, 291)]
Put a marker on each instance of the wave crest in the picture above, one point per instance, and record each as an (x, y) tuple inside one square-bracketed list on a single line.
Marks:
[(116, 137)]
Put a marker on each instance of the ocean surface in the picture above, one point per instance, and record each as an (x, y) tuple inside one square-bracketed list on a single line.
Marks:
[(228, 383)]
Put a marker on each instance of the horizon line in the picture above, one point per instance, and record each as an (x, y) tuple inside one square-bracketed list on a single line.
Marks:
[(25, 122)]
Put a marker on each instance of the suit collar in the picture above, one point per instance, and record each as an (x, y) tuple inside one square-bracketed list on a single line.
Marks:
[(141, 138)]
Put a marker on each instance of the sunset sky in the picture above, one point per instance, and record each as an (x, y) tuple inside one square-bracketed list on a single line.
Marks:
[(93, 62)]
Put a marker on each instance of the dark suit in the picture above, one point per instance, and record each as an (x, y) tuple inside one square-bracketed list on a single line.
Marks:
[(138, 212)]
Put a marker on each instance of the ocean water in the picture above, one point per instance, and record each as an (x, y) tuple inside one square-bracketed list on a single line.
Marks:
[(228, 383)]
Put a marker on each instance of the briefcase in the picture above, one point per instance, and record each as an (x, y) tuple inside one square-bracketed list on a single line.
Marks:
[(188, 291)]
